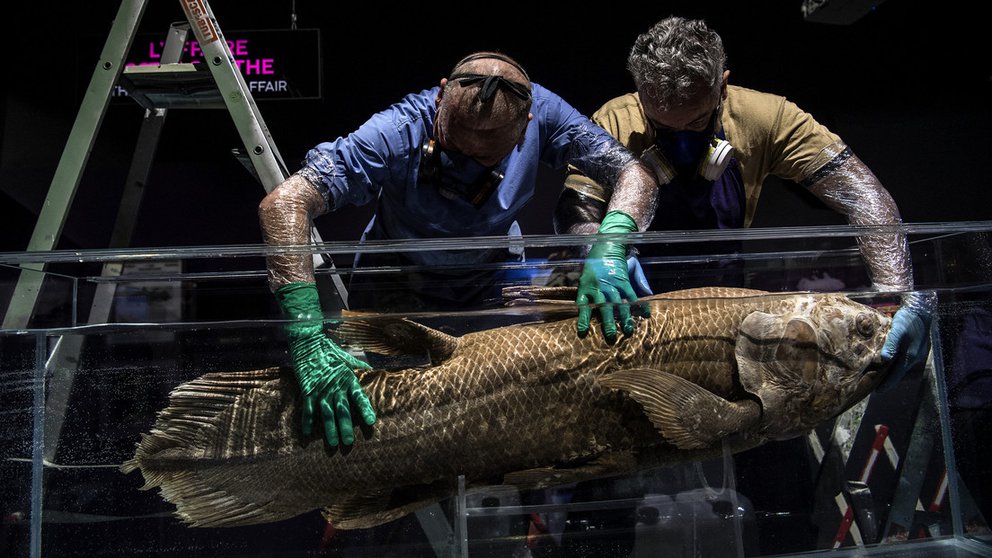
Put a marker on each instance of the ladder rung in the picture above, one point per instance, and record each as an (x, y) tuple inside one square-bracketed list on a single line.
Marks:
[(182, 85)]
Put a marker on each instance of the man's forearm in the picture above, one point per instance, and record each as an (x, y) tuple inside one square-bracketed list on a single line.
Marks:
[(285, 216), (636, 194), (854, 191)]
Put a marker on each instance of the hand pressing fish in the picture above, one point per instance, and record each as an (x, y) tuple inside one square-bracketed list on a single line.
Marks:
[(528, 405)]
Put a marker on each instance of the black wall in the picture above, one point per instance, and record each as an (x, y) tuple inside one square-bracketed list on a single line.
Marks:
[(907, 86)]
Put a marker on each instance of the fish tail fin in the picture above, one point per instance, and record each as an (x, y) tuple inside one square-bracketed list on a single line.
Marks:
[(198, 426)]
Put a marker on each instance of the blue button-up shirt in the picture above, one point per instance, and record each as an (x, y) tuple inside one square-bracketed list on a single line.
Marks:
[(380, 161)]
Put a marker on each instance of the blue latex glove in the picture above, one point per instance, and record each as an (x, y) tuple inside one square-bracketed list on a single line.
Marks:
[(324, 370), (605, 278), (908, 342), (636, 274)]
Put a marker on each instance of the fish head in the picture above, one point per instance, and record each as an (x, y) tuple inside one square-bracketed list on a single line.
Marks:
[(810, 361), (850, 337)]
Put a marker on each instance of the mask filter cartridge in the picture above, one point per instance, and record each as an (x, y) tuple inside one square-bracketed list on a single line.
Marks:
[(717, 156)]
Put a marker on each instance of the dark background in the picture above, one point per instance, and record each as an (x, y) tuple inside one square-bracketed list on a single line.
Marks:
[(906, 85)]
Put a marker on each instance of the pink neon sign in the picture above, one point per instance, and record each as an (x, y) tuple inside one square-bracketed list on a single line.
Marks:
[(240, 49)]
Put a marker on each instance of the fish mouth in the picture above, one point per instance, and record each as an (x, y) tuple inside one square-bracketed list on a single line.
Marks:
[(877, 367), (873, 374)]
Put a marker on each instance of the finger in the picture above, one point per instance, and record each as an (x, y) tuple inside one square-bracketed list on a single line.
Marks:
[(626, 290), (360, 400), (891, 346), (643, 308), (609, 322), (599, 297), (307, 415), (585, 314), (582, 325), (626, 320), (346, 429), (636, 305), (356, 362), (640, 280), (330, 426)]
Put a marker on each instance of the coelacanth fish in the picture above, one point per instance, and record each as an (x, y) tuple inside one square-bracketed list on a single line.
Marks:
[(530, 405)]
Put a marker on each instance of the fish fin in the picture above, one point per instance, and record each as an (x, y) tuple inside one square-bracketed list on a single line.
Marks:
[(536, 293), (543, 477), (709, 292), (196, 423), (368, 510), (346, 313), (559, 302), (192, 410), (396, 337), (553, 303), (687, 415), (359, 511), (546, 477)]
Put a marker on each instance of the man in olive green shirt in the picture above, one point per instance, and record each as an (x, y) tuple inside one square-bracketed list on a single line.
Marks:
[(770, 136), (711, 146)]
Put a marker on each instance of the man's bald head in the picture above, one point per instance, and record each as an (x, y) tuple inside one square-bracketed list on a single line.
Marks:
[(485, 106), (491, 76)]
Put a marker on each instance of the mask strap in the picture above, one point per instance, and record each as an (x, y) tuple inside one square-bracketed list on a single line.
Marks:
[(490, 84), (715, 119), (490, 56)]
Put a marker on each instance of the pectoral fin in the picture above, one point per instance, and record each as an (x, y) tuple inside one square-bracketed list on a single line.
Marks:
[(687, 415)]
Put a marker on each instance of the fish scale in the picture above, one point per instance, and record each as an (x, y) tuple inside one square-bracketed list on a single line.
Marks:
[(532, 404)]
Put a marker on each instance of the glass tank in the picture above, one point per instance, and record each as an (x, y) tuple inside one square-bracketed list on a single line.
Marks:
[(143, 392)]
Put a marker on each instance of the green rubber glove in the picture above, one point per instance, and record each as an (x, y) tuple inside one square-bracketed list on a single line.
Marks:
[(605, 278), (324, 370)]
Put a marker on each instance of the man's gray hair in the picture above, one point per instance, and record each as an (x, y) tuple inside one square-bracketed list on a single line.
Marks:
[(677, 60)]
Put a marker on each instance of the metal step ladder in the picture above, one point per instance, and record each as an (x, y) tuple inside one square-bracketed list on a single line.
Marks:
[(216, 83)]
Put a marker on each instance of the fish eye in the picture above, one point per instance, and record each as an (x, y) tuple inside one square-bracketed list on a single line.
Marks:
[(865, 325)]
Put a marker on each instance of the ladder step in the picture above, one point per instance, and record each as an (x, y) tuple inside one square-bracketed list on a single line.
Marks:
[(181, 85)]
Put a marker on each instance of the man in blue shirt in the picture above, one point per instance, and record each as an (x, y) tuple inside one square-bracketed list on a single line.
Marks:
[(457, 160)]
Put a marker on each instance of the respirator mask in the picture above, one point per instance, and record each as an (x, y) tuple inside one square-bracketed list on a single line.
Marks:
[(689, 153), (458, 176)]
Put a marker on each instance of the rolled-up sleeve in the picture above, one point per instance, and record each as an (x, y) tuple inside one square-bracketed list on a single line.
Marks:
[(352, 169), (576, 140)]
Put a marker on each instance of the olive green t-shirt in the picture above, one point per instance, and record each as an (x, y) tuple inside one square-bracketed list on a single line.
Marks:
[(771, 136)]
